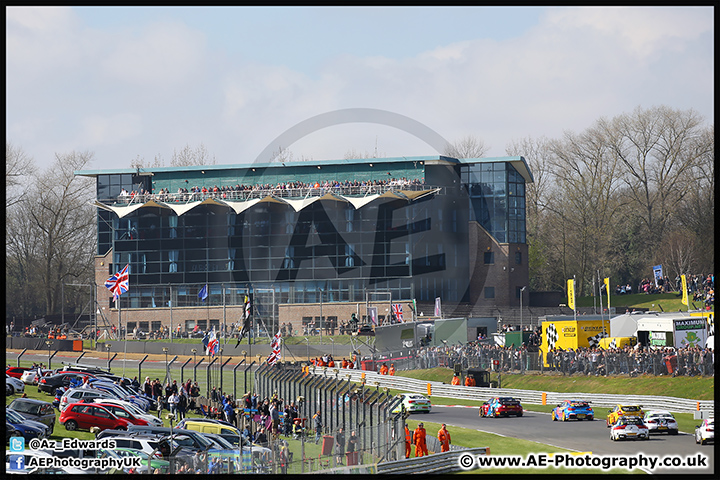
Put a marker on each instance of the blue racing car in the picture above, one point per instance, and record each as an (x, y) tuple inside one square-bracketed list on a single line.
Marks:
[(573, 409)]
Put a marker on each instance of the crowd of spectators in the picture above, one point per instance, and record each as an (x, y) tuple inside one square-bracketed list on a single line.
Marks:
[(687, 361), (289, 189)]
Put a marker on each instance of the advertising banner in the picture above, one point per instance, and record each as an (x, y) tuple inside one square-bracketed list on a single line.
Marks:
[(690, 332), (657, 273)]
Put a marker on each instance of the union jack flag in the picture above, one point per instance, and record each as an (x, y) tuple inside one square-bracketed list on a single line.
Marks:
[(212, 344), (397, 311), (119, 283), (276, 351)]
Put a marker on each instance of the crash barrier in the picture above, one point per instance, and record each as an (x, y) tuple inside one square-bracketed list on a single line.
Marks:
[(603, 362), (434, 463), (481, 394), (339, 403)]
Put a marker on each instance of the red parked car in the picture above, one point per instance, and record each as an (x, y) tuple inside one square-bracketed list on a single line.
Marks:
[(16, 371), (123, 413), (86, 415)]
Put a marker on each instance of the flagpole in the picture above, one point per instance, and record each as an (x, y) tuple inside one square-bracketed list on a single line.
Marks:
[(224, 318), (125, 336), (574, 303), (171, 319), (602, 318)]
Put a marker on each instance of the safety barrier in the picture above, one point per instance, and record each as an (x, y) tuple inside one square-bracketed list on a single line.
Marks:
[(435, 463), (481, 394)]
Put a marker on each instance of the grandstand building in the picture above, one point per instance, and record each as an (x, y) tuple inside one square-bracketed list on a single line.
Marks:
[(306, 241)]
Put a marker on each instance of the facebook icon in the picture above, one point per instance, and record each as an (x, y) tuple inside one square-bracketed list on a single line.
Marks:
[(17, 462)]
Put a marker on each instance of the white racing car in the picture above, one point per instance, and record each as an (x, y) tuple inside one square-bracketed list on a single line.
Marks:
[(660, 421), (631, 428), (705, 432)]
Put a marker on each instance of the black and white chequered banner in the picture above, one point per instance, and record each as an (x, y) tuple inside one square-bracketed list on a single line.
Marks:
[(594, 341), (551, 336)]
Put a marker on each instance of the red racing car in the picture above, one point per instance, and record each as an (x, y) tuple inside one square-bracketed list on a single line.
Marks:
[(501, 407)]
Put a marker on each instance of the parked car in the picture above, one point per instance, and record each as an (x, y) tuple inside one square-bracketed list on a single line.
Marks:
[(83, 416), (15, 372), (705, 432), (573, 409), (661, 421), (77, 395), (159, 445), (11, 431), (629, 428), (120, 393), (619, 411), (199, 441), (155, 463), (122, 412), (413, 402), (37, 410), (227, 431), (64, 379), (501, 407), (15, 384), (28, 428), (134, 409), (31, 377), (91, 369)]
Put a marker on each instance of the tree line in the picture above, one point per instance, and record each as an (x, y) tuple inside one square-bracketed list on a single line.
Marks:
[(625, 194)]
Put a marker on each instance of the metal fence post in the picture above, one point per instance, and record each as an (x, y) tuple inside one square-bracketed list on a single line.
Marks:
[(207, 372), (140, 368), (222, 367), (195, 377), (20, 355), (235, 378), (182, 369)]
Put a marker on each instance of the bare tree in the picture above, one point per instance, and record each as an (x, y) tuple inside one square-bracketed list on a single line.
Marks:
[(658, 149), (467, 147), (587, 174), (62, 219), (189, 156), (537, 154), (17, 167)]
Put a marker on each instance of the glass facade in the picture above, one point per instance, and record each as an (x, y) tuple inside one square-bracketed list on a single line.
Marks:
[(497, 198), (414, 247)]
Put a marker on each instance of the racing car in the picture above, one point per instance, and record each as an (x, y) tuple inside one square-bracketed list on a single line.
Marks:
[(573, 409), (501, 407)]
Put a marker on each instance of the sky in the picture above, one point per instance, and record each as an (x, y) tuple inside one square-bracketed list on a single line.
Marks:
[(129, 83)]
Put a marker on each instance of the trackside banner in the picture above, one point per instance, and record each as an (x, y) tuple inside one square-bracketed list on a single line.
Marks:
[(690, 332)]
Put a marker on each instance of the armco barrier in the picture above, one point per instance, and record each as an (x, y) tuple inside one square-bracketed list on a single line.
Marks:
[(481, 394), (434, 463)]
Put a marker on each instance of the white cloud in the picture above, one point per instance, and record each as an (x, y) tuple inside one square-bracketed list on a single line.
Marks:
[(98, 130), (160, 55), (147, 88)]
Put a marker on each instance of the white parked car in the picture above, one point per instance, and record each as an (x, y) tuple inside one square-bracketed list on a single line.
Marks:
[(705, 432), (13, 385), (30, 377), (77, 395), (661, 421), (629, 428)]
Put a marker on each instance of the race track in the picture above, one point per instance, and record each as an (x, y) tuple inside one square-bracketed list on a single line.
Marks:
[(581, 436)]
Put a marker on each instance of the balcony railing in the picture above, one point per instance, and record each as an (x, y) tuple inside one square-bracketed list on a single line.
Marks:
[(249, 194)]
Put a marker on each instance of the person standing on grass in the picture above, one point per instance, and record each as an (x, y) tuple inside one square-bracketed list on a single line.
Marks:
[(419, 438), (444, 438), (340, 445)]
